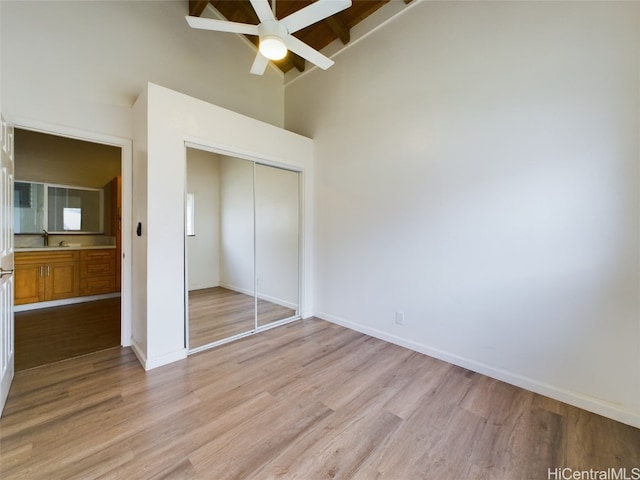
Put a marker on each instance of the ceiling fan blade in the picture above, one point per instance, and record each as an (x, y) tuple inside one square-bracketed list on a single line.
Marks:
[(263, 10), (307, 52), (259, 64), (222, 25), (313, 13)]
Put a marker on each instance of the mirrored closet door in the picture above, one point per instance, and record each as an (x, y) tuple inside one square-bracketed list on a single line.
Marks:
[(242, 235), (277, 253)]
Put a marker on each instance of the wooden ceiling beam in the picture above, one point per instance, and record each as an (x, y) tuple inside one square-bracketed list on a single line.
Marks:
[(297, 61), (292, 60), (339, 28), (196, 7), (249, 11)]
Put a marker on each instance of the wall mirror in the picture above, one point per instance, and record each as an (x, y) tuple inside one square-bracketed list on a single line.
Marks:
[(57, 208), (243, 260), (75, 209), (28, 207)]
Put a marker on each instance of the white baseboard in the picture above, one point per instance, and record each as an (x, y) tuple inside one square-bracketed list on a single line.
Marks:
[(234, 288), (277, 301), (600, 407), (165, 359), (202, 286), (137, 351), (151, 363), (67, 301), (6, 382)]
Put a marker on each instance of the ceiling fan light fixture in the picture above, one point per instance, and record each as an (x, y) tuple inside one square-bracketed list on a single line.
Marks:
[(276, 37), (273, 47), (272, 34)]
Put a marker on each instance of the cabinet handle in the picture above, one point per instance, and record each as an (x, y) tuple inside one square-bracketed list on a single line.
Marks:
[(4, 272), (48, 270), (41, 271)]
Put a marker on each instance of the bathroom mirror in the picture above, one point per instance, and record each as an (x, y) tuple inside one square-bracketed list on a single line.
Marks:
[(28, 207), (57, 209), (75, 209)]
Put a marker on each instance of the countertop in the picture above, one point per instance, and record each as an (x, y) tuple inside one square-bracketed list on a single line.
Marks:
[(55, 248)]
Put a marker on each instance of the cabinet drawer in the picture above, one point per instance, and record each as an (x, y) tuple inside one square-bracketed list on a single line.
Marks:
[(97, 255), (97, 285), (97, 268), (25, 258), (95, 263)]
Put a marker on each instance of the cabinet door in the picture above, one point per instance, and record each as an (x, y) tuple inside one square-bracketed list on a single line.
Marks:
[(116, 224), (29, 283), (62, 281)]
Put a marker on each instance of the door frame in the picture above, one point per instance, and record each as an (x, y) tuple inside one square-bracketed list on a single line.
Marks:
[(7, 324), (126, 165)]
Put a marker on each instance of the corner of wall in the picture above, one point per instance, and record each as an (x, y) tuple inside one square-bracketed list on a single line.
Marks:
[(138, 217)]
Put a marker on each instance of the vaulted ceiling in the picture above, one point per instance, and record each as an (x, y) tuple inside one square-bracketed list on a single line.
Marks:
[(318, 35)]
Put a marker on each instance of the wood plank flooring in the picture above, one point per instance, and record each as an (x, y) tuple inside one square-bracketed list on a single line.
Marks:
[(309, 400), (48, 335), (218, 313)]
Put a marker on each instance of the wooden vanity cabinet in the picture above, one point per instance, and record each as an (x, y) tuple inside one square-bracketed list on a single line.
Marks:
[(97, 271), (44, 276), (116, 223)]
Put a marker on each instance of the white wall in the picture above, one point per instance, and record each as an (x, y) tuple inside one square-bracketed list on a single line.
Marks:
[(83, 64), (203, 249), (164, 121), (236, 225), (139, 243), (477, 168), (1, 69), (54, 159)]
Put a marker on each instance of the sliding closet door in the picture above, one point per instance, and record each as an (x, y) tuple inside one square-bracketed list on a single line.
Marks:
[(242, 247), (220, 248), (277, 215)]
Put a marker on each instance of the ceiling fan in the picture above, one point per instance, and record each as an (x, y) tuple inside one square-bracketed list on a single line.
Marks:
[(276, 35)]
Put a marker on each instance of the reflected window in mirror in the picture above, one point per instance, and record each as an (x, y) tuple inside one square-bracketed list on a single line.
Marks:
[(190, 216), (28, 201)]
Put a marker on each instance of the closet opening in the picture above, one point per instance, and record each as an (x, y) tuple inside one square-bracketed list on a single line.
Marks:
[(242, 247)]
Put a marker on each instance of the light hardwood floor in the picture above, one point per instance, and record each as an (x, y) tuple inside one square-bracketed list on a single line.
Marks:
[(218, 313), (48, 335), (309, 400)]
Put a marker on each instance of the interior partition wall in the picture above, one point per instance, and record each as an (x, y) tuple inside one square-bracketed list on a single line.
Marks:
[(242, 248)]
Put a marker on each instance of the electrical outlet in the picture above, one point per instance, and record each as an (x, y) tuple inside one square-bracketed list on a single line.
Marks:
[(400, 318)]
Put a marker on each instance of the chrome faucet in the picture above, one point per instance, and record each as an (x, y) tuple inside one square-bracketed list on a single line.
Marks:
[(45, 235)]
